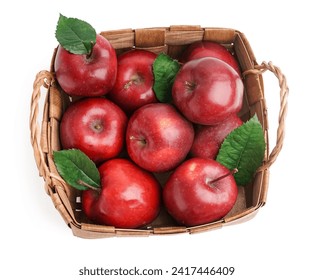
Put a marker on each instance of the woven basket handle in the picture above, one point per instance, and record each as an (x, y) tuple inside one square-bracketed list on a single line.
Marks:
[(43, 79), (284, 91)]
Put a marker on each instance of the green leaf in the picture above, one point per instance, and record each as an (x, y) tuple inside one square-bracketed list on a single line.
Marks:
[(77, 169), (75, 35), (243, 149), (165, 70)]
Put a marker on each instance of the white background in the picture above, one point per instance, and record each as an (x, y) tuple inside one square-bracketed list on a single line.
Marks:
[(278, 243)]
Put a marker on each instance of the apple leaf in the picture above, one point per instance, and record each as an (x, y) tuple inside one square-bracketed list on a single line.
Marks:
[(165, 70), (75, 35), (244, 149), (77, 169)]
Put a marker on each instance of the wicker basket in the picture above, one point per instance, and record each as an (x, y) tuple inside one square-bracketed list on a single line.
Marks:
[(172, 40)]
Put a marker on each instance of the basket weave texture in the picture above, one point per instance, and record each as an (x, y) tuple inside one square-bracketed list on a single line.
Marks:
[(172, 41)]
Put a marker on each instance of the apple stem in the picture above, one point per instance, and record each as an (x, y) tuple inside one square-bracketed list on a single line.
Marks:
[(91, 50), (141, 140), (88, 186), (231, 172), (190, 85)]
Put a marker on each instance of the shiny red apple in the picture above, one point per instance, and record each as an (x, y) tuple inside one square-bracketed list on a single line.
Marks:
[(158, 137), (129, 196), (207, 91), (208, 139), (96, 126), (133, 87), (199, 191), (209, 49), (87, 75)]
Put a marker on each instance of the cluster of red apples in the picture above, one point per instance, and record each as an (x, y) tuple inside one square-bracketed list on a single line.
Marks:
[(133, 138)]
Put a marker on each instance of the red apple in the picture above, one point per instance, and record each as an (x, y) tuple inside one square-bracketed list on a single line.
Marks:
[(209, 49), (87, 75), (96, 126), (208, 139), (134, 83), (199, 191), (207, 91), (158, 137), (129, 197)]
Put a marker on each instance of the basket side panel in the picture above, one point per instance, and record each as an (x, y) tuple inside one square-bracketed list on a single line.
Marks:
[(254, 103)]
